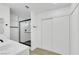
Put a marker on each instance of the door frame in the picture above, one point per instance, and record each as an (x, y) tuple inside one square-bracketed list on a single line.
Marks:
[(20, 29)]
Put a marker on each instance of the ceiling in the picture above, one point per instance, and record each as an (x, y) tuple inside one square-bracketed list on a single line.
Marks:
[(41, 7), (20, 9)]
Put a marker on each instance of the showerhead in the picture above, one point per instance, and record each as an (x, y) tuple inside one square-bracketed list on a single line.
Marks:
[(26, 6)]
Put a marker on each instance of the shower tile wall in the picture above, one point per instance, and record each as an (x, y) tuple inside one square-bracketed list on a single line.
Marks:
[(28, 36), (14, 28)]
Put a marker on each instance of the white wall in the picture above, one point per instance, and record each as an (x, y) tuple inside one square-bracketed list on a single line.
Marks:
[(74, 31), (37, 20), (34, 32), (14, 32), (5, 14), (14, 20)]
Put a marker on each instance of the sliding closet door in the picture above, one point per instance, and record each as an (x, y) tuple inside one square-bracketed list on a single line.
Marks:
[(55, 35), (46, 34), (61, 35)]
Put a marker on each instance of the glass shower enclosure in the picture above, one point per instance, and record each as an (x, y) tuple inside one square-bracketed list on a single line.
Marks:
[(25, 32)]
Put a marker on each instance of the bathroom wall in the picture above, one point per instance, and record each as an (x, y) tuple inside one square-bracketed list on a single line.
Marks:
[(14, 27), (14, 20), (5, 14)]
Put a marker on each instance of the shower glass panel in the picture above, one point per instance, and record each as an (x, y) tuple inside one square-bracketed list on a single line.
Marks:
[(25, 31)]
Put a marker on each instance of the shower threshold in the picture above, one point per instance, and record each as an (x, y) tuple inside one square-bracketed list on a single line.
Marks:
[(28, 43)]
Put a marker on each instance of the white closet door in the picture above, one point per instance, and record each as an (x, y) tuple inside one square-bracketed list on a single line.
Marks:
[(61, 35), (46, 34), (55, 34)]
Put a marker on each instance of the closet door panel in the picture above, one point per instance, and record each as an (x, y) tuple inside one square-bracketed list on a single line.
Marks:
[(61, 35), (55, 35), (46, 34)]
